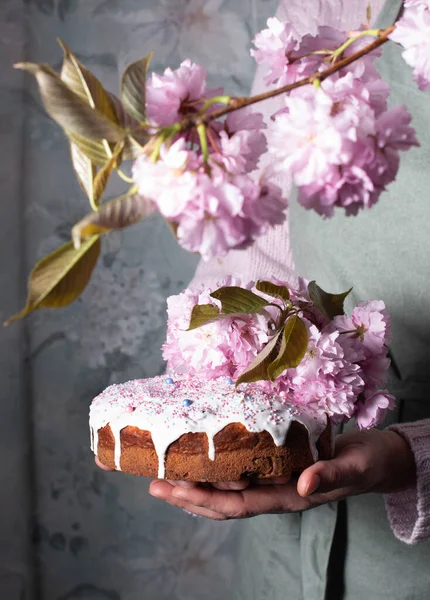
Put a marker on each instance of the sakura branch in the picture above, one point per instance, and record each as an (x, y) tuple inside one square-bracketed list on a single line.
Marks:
[(331, 58), (197, 152)]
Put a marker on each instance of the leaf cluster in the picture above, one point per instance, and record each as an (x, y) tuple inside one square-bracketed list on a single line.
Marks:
[(103, 131), (289, 343)]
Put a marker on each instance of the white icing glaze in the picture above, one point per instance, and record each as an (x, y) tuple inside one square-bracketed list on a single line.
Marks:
[(158, 406)]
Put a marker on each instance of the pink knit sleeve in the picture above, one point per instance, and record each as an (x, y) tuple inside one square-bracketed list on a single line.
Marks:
[(409, 511)]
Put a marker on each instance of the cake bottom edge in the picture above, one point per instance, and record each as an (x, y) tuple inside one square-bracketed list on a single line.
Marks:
[(229, 464)]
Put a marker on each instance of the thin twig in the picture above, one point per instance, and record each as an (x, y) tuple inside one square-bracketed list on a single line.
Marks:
[(212, 140), (242, 102)]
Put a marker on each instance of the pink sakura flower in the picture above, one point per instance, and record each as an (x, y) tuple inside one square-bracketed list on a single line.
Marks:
[(222, 348), (324, 356), (371, 410), (228, 212), (393, 134), (242, 141), (359, 183), (305, 138), (333, 396), (170, 181), (325, 380), (244, 120), (273, 47), (348, 187), (418, 3), (320, 129), (211, 223), (413, 33), (340, 144), (214, 209), (374, 370), (173, 94), (333, 141), (393, 130), (290, 57), (313, 55), (369, 326)]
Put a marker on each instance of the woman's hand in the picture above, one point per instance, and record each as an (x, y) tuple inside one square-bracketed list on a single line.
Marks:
[(366, 461)]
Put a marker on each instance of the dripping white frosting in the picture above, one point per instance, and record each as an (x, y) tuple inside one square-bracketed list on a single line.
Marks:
[(171, 407)]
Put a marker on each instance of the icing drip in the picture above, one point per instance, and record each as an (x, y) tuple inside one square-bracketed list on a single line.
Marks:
[(170, 408), (211, 449), (94, 439)]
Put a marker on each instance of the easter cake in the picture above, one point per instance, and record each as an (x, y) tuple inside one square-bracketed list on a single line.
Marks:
[(191, 429)]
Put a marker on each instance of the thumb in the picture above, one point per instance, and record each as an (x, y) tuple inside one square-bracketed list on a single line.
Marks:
[(346, 471)]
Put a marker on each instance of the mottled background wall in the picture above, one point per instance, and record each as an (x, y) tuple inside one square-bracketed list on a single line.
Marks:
[(67, 530)]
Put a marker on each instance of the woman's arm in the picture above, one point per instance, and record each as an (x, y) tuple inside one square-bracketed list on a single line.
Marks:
[(409, 511)]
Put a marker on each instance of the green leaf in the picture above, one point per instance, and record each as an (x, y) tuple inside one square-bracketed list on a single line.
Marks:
[(81, 81), (257, 370), (58, 279), (93, 183), (69, 110), (133, 88), (133, 148), (331, 305), (133, 143), (293, 347), (203, 314), (85, 170), (117, 214), (88, 87), (102, 178), (97, 152), (238, 300), (276, 291), (124, 119)]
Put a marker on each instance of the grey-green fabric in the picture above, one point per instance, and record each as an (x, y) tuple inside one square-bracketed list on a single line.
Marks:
[(384, 254)]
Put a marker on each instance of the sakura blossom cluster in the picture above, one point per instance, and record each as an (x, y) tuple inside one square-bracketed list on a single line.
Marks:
[(338, 140), (212, 201), (220, 348), (413, 33), (341, 374)]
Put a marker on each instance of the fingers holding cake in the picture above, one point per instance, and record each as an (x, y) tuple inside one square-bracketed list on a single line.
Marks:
[(271, 480), (183, 484), (229, 504), (231, 485), (363, 462), (101, 465), (165, 491), (220, 485)]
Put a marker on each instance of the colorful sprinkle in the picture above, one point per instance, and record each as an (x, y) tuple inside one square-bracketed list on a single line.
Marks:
[(187, 402), (229, 380), (169, 380)]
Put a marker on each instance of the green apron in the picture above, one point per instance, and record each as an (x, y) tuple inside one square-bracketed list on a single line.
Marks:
[(347, 550)]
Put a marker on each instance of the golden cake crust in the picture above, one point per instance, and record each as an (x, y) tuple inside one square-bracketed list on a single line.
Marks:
[(239, 453)]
